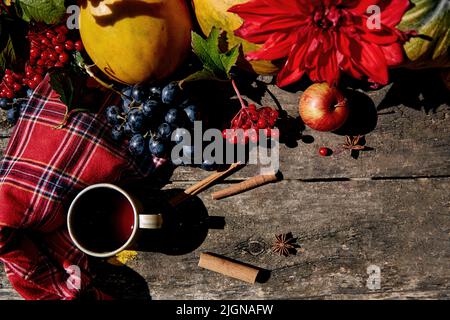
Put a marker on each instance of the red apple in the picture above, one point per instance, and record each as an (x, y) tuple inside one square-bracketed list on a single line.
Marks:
[(323, 108)]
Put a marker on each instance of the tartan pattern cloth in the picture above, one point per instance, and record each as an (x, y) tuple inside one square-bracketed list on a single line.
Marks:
[(42, 170)]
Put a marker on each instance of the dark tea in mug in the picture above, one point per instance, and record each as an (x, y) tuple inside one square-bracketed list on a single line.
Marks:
[(102, 220)]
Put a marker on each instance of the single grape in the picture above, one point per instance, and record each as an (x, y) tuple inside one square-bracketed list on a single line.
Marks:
[(155, 93), (126, 99), (127, 93), (4, 104), (188, 151), (192, 113), (179, 134), (136, 120), (127, 129), (112, 114), (117, 133), (165, 131), (157, 147), (23, 105), (174, 117), (138, 93), (171, 94), (12, 115), (137, 145), (150, 108), (208, 165)]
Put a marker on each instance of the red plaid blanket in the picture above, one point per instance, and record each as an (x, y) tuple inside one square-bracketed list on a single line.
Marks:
[(42, 170)]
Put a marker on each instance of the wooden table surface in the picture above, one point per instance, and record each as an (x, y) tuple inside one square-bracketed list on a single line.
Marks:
[(389, 208)]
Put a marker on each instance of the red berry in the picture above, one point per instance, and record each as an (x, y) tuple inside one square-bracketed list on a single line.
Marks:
[(49, 34), (262, 123), (45, 42), (37, 78), (252, 107), (64, 57), (9, 81), (274, 114), (253, 115), (60, 38), (79, 46), (53, 56), (32, 84), (59, 48), (275, 133), (324, 152), (62, 29), (224, 133), (44, 55), (9, 94), (59, 65), (69, 45), (34, 53), (8, 72), (39, 70), (40, 62), (17, 87)]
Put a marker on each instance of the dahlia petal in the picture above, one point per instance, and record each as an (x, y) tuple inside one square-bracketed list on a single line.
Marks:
[(383, 36), (276, 47), (373, 63), (394, 54), (364, 57), (326, 70), (393, 11), (359, 7), (293, 69)]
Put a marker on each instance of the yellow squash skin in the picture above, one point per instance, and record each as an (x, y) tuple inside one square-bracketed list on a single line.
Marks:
[(215, 13), (135, 41)]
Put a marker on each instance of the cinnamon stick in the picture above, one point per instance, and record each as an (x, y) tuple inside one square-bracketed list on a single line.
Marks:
[(202, 185), (247, 185), (228, 268)]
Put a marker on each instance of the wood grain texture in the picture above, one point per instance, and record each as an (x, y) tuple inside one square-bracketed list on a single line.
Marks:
[(401, 226), (389, 208)]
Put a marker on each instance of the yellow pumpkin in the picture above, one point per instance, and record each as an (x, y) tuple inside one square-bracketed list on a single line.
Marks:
[(212, 13), (136, 41)]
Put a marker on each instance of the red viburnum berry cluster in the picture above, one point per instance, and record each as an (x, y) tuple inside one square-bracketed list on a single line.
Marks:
[(249, 121), (49, 48)]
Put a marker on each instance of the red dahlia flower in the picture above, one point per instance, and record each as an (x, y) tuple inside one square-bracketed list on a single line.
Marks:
[(325, 37)]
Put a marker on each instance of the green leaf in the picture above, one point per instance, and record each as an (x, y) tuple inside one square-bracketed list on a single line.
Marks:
[(47, 11), (216, 64), (64, 83)]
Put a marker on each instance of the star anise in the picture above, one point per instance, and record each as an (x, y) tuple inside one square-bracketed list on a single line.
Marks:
[(354, 143), (284, 244)]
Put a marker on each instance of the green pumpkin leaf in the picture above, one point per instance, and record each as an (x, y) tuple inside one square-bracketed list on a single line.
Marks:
[(217, 64), (47, 11)]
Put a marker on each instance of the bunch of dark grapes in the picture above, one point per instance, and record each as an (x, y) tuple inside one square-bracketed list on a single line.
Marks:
[(149, 117), (50, 47)]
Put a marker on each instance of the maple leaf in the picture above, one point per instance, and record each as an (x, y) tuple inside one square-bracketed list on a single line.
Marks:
[(216, 64)]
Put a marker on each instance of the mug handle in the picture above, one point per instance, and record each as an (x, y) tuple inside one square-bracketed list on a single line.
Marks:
[(153, 221)]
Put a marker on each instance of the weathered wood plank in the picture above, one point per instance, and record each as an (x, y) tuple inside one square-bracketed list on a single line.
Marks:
[(407, 143), (401, 226)]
